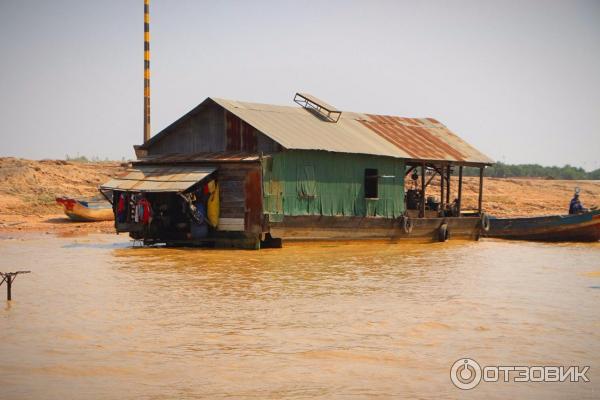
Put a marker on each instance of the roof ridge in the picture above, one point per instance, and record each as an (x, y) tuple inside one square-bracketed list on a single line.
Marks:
[(293, 108)]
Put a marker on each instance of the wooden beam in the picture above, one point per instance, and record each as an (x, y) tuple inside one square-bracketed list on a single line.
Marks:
[(448, 169), (480, 204), (430, 179), (442, 189), (439, 171), (422, 211), (460, 179)]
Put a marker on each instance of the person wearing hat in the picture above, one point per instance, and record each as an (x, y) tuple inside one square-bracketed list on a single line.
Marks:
[(575, 207)]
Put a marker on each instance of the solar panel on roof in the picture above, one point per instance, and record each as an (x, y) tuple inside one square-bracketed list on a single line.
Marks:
[(318, 106)]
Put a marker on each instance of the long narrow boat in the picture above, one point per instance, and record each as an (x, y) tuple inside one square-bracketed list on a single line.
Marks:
[(584, 227), (86, 209)]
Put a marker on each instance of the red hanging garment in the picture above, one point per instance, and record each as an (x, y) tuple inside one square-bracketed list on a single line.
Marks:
[(121, 204), (147, 213)]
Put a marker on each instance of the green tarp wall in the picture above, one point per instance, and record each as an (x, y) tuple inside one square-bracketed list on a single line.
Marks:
[(324, 183)]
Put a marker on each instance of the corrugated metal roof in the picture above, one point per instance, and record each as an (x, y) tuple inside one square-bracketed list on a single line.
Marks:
[(158, 179), (422, 139), (409, 138), (297, 128)]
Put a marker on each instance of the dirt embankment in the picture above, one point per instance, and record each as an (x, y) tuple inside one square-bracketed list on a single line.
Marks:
[(511, 197), (28, 189)]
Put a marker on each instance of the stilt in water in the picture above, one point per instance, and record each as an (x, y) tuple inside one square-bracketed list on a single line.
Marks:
[(9, 278)]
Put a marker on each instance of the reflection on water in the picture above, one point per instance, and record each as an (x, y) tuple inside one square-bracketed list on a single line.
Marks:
[(99, 319)]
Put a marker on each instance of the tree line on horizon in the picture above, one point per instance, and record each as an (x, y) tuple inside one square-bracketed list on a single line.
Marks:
[(93, 159), (502, 170)]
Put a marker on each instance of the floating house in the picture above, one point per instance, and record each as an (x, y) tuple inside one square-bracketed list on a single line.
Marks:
[(257, 174)]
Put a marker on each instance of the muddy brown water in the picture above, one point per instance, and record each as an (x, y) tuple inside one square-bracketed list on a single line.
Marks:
[(99, 319)]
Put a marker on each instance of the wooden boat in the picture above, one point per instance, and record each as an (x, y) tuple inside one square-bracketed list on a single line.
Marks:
[(95, 208), (584, 227)]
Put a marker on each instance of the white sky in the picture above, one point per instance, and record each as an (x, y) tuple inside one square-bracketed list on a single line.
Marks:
[(520, 80)]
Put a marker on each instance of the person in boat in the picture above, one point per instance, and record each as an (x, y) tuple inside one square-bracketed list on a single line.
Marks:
[(575, 207)]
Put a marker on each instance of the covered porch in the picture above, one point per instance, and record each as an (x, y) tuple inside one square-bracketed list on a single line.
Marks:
[(435, 189)]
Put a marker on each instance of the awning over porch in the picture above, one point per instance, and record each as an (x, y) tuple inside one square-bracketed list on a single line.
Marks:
[(158, 178)]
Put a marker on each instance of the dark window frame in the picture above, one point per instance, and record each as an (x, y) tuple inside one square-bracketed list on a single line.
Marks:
[(371, 183)]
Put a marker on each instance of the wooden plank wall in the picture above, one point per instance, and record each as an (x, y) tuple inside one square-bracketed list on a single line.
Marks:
[(241, 136), (254, 198), (203, 131), (235, 180), (213, 129)]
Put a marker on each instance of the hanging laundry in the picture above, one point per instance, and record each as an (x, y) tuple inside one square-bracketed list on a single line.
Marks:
[(213, 205), (132, 207), (145, 211), (138, 210), (121, 213), (199, 228)]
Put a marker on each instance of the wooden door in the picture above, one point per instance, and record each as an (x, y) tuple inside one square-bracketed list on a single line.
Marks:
[(253, 191)]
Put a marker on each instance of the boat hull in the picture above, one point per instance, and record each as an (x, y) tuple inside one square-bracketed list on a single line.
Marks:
[(303, 228), (583, 227), (83, 211)]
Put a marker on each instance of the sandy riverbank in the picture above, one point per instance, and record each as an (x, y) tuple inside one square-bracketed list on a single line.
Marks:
[(28, 189)]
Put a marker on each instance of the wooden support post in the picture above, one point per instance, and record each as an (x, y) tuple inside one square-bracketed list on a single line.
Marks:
[(448, 169), (422, 211), (460, 179), (9, 277), (480, 204), (442, 188)]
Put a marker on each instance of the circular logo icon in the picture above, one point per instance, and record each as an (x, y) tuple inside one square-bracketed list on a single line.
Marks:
[(465, 373)]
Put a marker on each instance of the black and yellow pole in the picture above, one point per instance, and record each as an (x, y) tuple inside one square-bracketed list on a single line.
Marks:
[(146, 70)]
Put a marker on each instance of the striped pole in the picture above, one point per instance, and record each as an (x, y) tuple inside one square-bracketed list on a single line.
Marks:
[(146, 70)]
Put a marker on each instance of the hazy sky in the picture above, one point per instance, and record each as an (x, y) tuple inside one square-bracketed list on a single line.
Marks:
[(520, 80)]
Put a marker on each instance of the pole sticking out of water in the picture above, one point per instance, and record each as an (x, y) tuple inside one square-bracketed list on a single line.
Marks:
[(146, 70), (9, 277)]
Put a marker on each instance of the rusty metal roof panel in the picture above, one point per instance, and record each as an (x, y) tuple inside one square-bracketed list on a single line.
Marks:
[(408, 138), (158, 179), (424, 139)]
